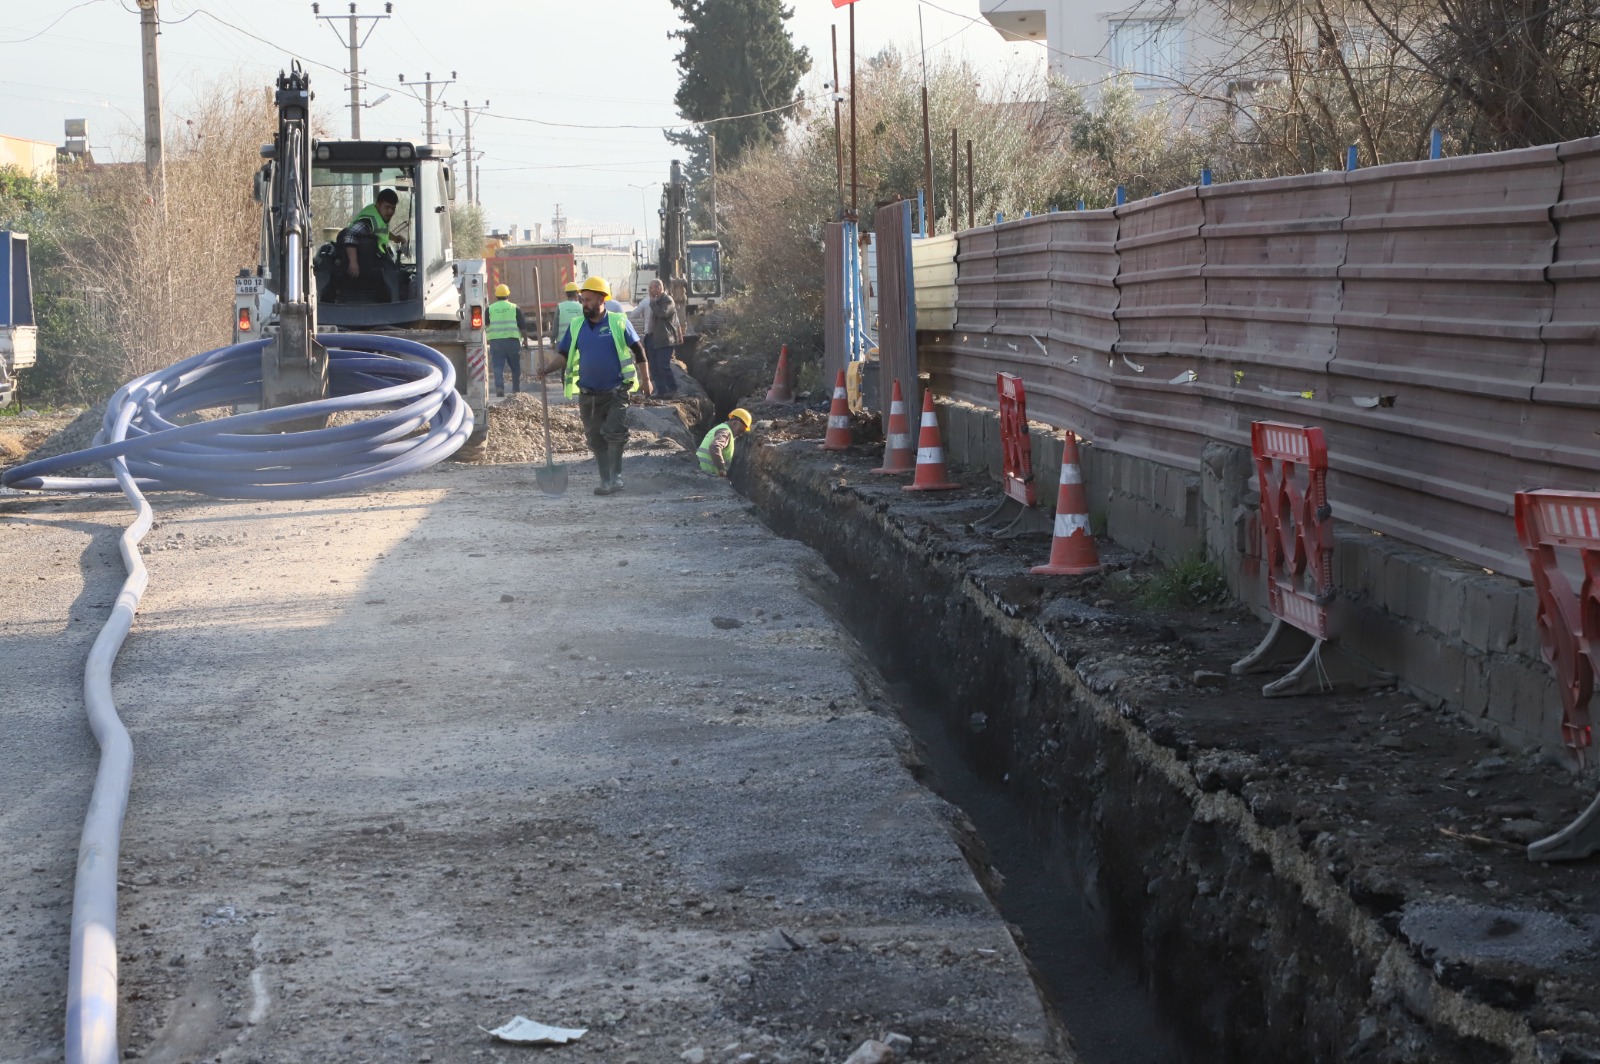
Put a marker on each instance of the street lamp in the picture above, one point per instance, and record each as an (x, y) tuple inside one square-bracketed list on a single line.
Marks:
[(644, 211)]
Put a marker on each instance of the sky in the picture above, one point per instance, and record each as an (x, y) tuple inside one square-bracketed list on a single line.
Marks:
[(533, 61)]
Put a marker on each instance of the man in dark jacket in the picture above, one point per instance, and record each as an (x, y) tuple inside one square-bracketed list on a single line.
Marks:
[(366, 246), (661, 341)]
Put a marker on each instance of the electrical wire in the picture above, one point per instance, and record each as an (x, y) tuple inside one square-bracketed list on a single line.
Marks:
[(417, 419), (58, 18)]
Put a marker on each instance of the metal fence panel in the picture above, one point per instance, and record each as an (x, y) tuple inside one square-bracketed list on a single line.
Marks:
[(897, 313), (1438, 319), (1573, 332), (934, 265), (835, 342)]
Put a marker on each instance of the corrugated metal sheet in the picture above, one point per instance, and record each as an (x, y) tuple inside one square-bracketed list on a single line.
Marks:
[(934, 266), (1438, 319), (835, 341), (897, 314)]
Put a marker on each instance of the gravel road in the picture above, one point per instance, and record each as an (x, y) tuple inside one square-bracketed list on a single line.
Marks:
[(413, 762)]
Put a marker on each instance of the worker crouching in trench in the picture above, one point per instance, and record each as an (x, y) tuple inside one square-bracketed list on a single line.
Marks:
[(608, 368), (716, 450)]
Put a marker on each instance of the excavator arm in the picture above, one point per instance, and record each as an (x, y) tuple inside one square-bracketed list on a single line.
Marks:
[(294, 366)]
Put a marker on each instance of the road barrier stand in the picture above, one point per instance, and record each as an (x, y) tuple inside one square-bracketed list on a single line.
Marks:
[(930, 453), (838, 437), (1018, 513), (1569, 623), (898, 454), (781, 391), (1072, 549), (1297, 558)]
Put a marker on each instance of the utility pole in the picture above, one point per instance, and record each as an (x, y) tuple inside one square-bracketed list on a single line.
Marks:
[(558, 225), (427, 99), (467, 113), (971, 215), (838, 131), (853, 212), (955, 182), (927, 157), (712, 138), (154, 171), (353, 39)]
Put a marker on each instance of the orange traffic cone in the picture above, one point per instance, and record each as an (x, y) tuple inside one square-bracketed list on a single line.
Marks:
[(781, 392), (838, 437), (898, 454), (930, 453), (1072, 551)]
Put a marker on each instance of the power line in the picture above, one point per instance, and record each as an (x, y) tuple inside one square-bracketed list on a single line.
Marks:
[(58, 18)]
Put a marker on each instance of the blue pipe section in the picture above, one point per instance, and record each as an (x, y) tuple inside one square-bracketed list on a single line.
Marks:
[(403, 384)]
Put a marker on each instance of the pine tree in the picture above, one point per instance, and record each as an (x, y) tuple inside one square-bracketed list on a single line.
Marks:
[(737, 58)]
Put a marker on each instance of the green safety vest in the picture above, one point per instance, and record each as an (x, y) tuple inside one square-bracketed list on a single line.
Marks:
[(379, 226), (619, 333), (567, 312), (707, 462), (503, 321)]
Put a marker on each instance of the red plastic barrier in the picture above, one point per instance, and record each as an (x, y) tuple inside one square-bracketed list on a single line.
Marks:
[(1016, 453), (1568, 620), (1296, 523)]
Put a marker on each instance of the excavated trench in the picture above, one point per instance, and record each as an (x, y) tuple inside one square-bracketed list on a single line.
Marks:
[(1166, 922)]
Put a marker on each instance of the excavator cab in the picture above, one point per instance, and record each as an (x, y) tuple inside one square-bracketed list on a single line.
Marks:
[(313, 194), (359, 284)]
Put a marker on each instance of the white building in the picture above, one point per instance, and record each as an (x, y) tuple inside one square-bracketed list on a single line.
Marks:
[(1162, 46)]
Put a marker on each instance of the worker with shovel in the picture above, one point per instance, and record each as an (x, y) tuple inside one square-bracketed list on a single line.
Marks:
[(716, 450), (598, 353)]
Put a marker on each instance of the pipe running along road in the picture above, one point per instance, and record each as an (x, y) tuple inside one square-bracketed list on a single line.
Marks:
[(416, 419)]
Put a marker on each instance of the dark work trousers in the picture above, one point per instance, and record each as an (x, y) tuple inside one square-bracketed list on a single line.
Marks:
[(660, 360), (507, 351), (605, 426)]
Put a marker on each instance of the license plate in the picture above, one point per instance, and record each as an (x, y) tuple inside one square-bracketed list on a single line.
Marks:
[(249, 286)]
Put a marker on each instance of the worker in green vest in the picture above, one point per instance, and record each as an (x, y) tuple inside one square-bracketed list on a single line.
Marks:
[(568, 310), (602, 360), (506, 328), (368, 246), (716, 450)]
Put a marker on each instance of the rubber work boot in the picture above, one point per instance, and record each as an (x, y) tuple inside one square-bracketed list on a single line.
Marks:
[(602, 461), (616, 469)]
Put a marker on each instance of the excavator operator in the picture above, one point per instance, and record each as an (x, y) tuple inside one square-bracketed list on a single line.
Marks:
[(366, 247)]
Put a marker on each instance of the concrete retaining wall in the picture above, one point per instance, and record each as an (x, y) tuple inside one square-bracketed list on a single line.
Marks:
[(1455, 634)]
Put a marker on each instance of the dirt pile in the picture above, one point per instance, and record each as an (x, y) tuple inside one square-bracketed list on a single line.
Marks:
[(516, 430), (49, 435)]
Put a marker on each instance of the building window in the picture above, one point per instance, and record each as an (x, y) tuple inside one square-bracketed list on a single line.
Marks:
[(1150, 50)]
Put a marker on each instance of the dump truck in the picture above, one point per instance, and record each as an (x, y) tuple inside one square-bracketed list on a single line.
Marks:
[(515, 265), (302, 286), (19, 334)]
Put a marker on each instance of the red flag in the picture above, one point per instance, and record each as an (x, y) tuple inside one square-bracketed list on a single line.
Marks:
[(842, 3)]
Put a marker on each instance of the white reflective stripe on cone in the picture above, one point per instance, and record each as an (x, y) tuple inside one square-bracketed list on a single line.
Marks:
[(930, 455), (929, 419), (1071, 524), (900, 441), (838, 421), (1070, 475), (896, 407), (838, 393)]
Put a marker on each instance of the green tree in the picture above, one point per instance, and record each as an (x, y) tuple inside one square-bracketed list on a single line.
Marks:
[(63, 302), (737, 58)]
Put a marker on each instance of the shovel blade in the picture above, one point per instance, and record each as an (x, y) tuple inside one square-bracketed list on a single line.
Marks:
[(552, 479)]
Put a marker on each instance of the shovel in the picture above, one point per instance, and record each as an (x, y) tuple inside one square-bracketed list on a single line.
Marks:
[(551, 478)]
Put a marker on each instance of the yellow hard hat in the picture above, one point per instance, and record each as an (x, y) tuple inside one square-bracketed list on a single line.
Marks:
[(597, 284), (572, 286), (740, 414), (501, 291)]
